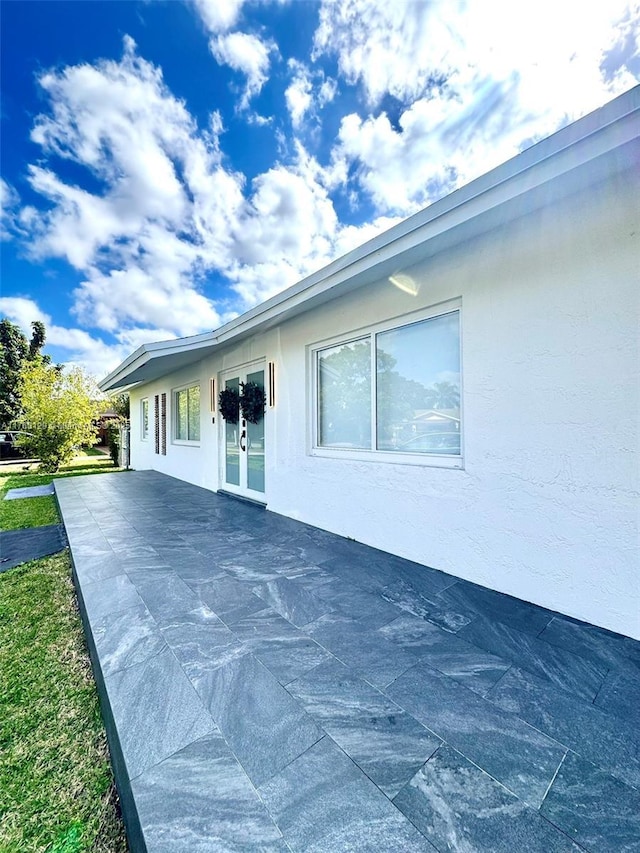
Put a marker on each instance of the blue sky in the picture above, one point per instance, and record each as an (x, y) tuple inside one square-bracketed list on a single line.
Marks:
[(167, 165)]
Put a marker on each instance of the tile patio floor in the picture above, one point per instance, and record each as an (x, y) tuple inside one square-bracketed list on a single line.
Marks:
[(268, 686)]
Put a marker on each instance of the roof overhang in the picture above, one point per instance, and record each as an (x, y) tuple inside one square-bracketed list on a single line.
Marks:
[(585, 151)]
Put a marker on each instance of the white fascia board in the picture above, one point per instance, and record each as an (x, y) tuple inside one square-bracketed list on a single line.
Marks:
[(596, 134), (602, 131), (122, 375)]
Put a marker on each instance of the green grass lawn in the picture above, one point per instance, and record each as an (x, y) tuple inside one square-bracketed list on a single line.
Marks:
[(36, 512), (56, 788)]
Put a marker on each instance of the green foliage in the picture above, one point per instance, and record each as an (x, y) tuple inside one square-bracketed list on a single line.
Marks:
[(120, 405), (59, 410), (443, 395), (28, 512), (252, 402), (13, 352), (38, 338), (229, 405), (113, 433)]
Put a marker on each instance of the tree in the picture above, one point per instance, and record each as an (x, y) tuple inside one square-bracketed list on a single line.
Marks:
[(38, 338), (14, 352), (120, 405), (59, 411), (444, 395)]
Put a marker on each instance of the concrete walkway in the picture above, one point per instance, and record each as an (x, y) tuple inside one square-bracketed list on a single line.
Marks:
[(268, 686)]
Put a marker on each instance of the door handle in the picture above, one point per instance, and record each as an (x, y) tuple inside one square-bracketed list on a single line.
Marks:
[(243, 435)]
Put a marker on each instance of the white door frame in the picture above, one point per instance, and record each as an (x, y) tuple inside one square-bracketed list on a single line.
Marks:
[(240, 439)]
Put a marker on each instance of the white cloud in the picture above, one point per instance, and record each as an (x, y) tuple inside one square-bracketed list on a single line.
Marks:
[(166, 210), (327, 91), (9, 204), (78, 347), (165, 219), (475, 83), (298, 93), (247, 54), (168, 213), (219, 15), (307, 92)]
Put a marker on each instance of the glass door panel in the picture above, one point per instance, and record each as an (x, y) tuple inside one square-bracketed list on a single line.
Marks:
[(255, 443), (232, 442)]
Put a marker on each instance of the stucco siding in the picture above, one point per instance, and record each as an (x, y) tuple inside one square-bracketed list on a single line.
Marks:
[(546, 505)]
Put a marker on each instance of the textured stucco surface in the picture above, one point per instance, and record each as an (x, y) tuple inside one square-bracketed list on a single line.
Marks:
[(546, 506)]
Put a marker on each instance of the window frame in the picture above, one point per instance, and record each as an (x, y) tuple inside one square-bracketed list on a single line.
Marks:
[(189, 442), (144, 427), (421, 459)]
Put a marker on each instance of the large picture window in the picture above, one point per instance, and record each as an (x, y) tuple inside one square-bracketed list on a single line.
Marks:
[(395, 390), (187, 413)]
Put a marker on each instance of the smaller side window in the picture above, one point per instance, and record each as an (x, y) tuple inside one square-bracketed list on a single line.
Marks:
[(187, 413), (144, 419)]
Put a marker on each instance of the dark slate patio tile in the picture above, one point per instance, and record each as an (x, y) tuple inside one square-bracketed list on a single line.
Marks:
[(179, 544), (164, 593), (140, 562), (201, 641), (517, 755), (195, 569), (422, 579), (381, 738), (349, 600), (604, 648), (156, 711), (91, 547), (458, 807), (569, 671), (632, 649), (471, 598), (98, 567), (365, 650), (285, 650), (137, 549), (361, 570), (199, 800), (229, 599), (249, 569), (620, 695), (597, 736), (322, 802), (292, 600), (601, 813), (126, 638), (306, 550), (406, 597), (262, 723), (109, 595), (476, 669), (309, 576)]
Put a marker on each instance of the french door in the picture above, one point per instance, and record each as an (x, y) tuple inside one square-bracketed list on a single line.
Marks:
[(243, 443)]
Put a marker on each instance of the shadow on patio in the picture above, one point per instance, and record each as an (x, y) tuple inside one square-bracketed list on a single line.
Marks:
[(270, 686)]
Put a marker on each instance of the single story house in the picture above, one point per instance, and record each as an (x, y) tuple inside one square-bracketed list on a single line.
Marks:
[(438, 392)]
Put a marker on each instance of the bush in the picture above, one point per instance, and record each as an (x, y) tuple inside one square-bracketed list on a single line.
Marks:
[(113, 433), (59, 412)]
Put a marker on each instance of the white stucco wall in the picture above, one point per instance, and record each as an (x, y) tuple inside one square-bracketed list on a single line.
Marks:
[(546, 507)]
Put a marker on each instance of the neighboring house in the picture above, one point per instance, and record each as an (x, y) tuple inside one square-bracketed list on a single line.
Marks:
[(508, 310)]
